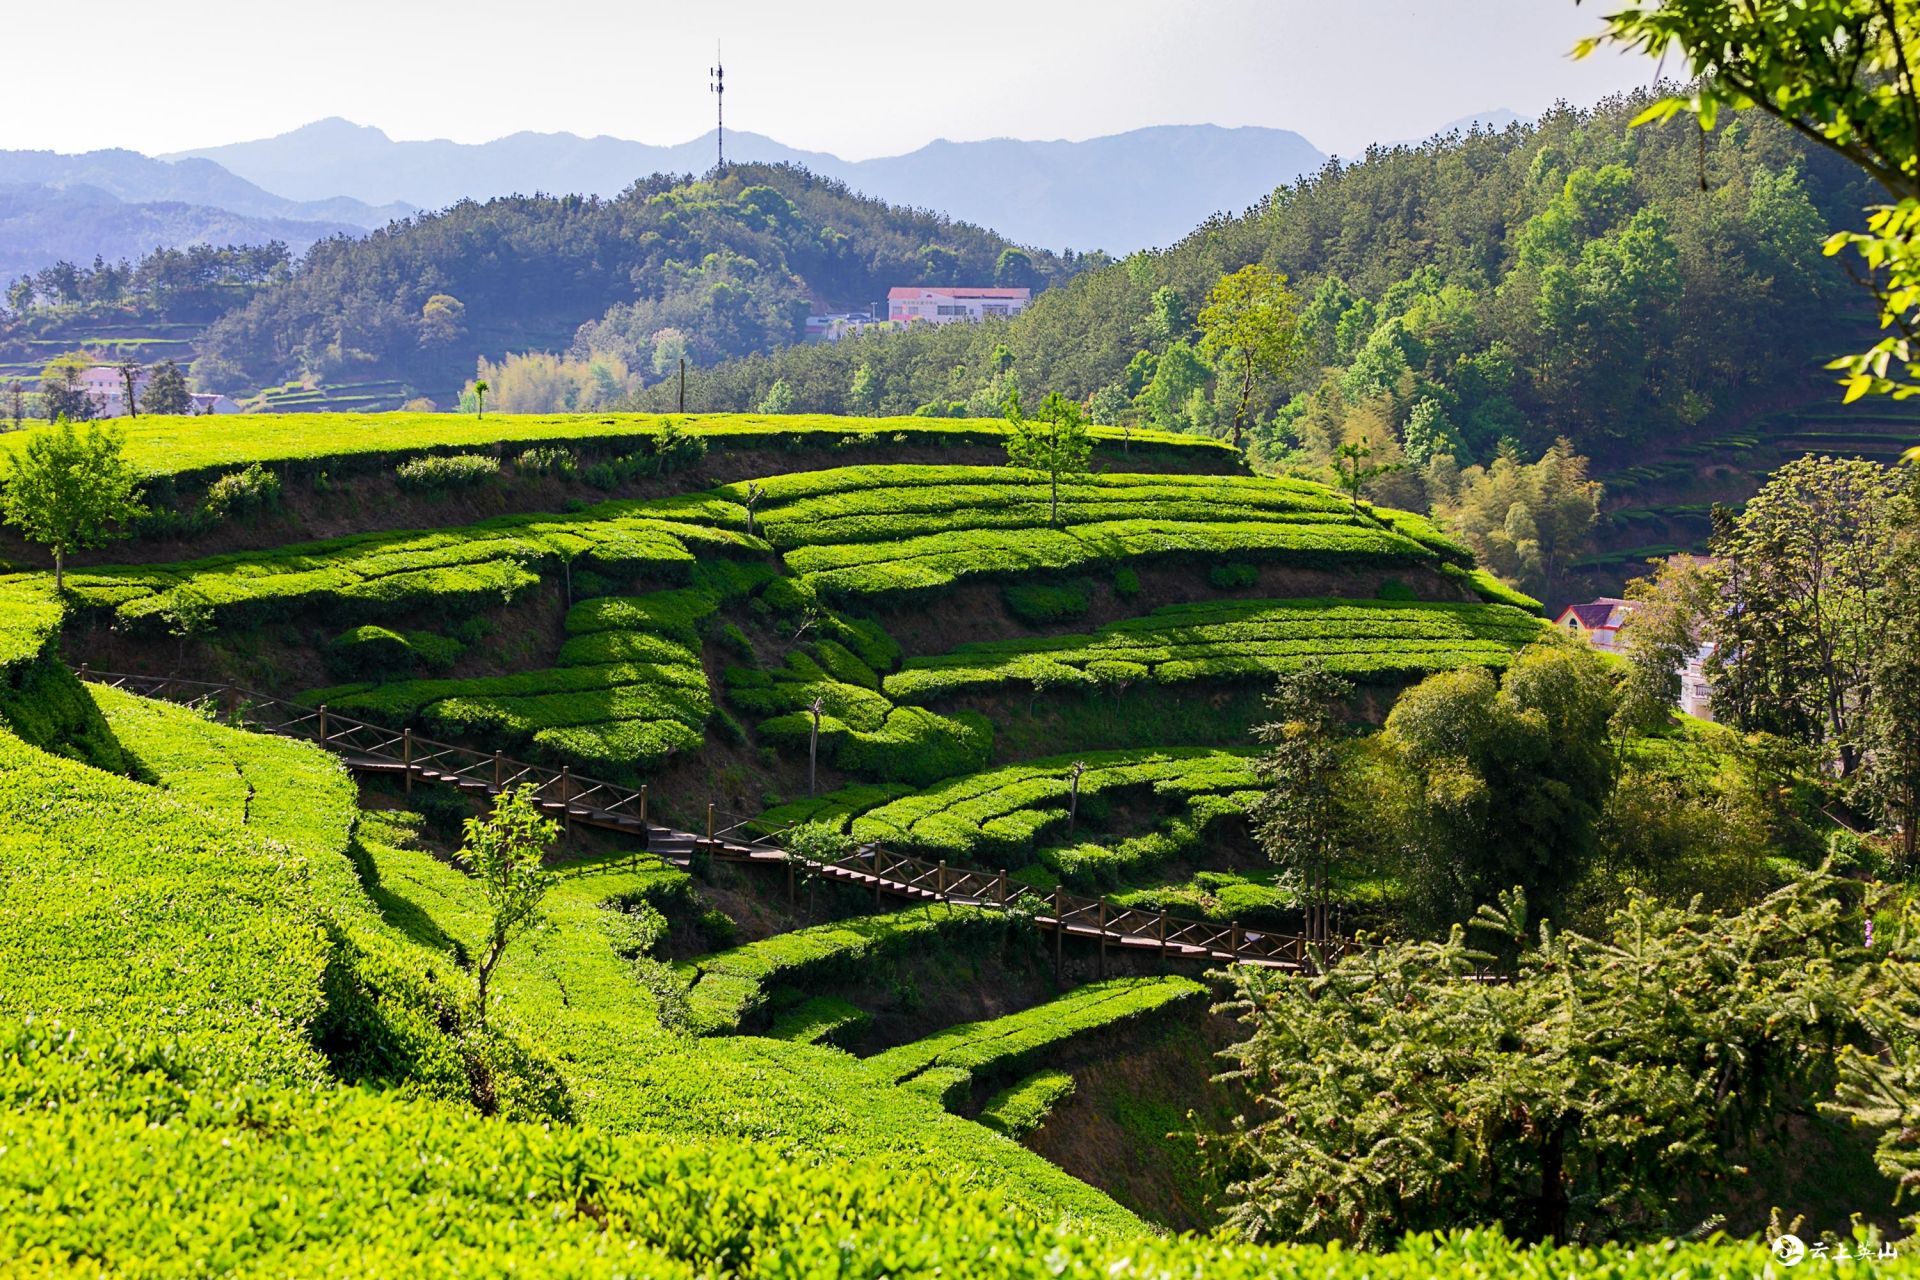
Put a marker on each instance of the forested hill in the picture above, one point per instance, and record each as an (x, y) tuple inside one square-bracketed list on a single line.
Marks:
[(1572, 276), (727, 265)]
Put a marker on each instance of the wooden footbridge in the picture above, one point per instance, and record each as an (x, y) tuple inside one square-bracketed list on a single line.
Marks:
[(586, 802)]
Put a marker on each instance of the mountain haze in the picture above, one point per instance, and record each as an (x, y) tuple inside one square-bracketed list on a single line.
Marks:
[(1119, 193), (137, 179), (42, 225)]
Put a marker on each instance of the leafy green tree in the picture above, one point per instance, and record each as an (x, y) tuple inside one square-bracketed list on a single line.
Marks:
[(938, 265), (1354, 471), (1804, 577), (1176, 376), (1429, 434), (504, 851), (1595, 1094), (1502, 782), (1169, 319), (1525, 522), (1892, 763), (1053, 442), (442, 320), (1014, 269), (1662, 635), (61, 395), (1250, 332), (779, 398), (863, 396), (480, 389), (669, 348), (66, 490), (1300, 820), (167, 390), (1838, 72)]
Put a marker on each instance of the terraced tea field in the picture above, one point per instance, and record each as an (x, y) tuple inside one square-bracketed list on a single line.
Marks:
[(755, 650)]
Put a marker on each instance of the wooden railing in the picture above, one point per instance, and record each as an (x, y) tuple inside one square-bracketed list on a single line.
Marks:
[(593, 802)]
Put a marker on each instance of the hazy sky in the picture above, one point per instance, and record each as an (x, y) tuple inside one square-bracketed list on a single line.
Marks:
[(855, 77)]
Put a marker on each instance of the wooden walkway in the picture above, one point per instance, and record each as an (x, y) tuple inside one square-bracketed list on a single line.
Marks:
[(587, 802)]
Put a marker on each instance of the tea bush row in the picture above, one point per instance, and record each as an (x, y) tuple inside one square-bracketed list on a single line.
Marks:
[(727, 988), (861, 730), (1009, 1045), (181, 446), (1005, 812), (1023, 1106), (1232, 640)]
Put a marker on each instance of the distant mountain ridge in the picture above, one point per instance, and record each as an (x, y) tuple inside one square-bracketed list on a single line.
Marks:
[(138, 179), (1140, 189), (42, 225)]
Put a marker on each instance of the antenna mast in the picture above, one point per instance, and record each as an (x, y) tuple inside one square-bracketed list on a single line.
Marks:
[(719, 87)]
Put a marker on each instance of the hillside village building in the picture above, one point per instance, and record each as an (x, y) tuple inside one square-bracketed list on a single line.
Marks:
[(1601, 621), (837, 325), (107, 389), (929, 304)]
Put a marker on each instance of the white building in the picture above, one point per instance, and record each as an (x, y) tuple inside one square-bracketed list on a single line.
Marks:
[(837, 325), (106, 386), (929, 304), (1601, 622)]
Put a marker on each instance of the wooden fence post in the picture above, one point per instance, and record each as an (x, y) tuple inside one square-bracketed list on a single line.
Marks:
[(940, 879), (233, 704), (566, 802), (1059, 931), (1102, 971), (406, 756), (876, 877), (323, 724), (1163, 933), (643, 804), (1003, 886), (499, 771), (709, 822), (83, 673), (1233, 942)]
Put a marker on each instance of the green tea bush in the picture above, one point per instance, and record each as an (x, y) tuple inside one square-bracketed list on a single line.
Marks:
[(369, 652), (1040, 604), (1234, 576), (1004, 1047), (1232, 640), (1126, 583), (1022, 1107), (436, 472), (728, 988), (547, 460), (242, 493), (821, 1020), (999, 815)]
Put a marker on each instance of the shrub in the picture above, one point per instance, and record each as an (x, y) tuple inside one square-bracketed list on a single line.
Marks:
[(1394, 589), (547, 460), (242, 493), (1021, 1108), (437, 472), (1234, 576), (1126, 583), (1039, 604)]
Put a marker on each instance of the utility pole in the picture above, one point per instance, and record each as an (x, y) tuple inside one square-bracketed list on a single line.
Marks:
[(683, 384), (719, 88)]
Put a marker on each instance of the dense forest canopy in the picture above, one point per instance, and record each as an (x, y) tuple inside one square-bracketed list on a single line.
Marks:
[(735, 262), (1573, 276)]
